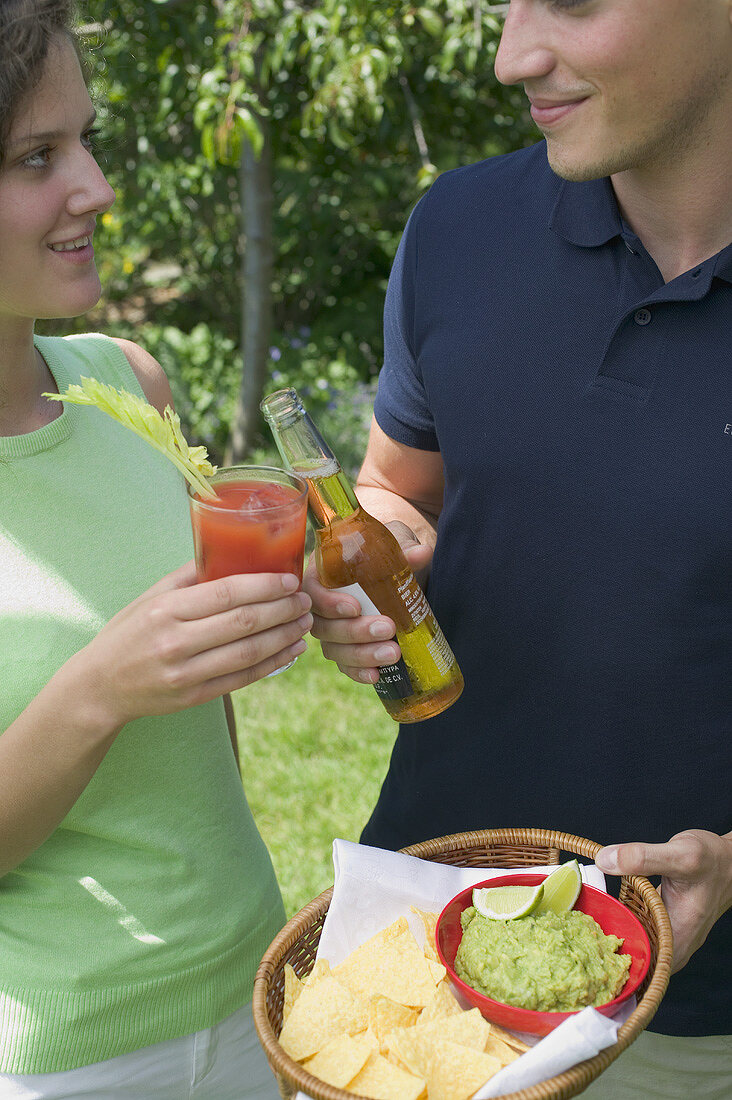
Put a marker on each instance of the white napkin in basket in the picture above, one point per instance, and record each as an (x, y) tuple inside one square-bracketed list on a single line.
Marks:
[(373, 887)]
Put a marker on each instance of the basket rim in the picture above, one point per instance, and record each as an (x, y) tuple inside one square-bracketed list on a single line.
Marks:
[(562, 1085)]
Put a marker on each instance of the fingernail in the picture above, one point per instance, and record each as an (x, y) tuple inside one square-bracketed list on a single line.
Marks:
[(305, 622), (290, 582), (368, 676), (298, 647), (346, 610), (385, 653), (607, 859), (381, 630), (304, 601)]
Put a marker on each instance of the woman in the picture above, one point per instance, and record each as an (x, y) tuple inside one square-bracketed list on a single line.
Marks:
[(136, 896)]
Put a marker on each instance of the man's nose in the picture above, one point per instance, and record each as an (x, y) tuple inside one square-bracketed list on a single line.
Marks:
[(525, 51)]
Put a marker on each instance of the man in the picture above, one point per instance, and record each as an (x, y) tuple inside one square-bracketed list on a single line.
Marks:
[(557, 393)]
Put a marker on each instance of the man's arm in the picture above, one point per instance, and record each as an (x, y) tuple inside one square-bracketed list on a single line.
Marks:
[(401, 486), (696, 883), (397, 482)]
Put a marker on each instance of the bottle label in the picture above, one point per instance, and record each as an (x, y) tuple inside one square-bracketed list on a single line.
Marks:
[(393, 682)]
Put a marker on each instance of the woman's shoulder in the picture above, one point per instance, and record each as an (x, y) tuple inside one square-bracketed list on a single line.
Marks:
[(149, 373)]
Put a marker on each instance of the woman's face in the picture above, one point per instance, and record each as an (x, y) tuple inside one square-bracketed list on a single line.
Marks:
[(51, 191)]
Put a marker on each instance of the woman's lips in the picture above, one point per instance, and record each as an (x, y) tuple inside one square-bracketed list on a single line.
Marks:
[(546, 113), (77, 255)]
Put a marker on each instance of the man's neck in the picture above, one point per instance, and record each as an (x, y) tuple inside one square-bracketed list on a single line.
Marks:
[(682, 212)]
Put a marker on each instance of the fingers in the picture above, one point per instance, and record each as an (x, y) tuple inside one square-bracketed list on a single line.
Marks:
[(223, 685), (404, 534), (358, 646), (199, 635), (362, 663), (418, 555), (329, 603), (208, 598), (239, 658), (682, 857)]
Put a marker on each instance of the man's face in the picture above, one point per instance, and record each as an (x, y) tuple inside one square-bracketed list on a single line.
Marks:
[(618, 85)]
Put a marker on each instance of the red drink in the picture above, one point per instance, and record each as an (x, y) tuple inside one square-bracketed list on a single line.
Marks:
[(256, 524)]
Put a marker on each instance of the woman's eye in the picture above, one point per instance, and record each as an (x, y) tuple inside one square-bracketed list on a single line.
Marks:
[(89, 138), (38, 159)]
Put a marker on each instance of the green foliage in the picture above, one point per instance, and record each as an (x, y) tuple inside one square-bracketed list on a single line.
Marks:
[(345, 88)]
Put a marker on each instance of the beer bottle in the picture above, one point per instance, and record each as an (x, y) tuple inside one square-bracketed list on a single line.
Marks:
[(357, 554)]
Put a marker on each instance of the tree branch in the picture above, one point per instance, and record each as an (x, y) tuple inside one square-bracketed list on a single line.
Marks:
[(424, 153)]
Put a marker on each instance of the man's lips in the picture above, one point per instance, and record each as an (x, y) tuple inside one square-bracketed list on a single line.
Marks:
[(546, 112)]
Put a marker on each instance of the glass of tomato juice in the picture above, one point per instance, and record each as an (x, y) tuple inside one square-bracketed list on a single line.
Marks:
[(256, 524)]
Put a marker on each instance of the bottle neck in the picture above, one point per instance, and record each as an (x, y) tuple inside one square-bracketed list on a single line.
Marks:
[(330, 496), (306, 453)]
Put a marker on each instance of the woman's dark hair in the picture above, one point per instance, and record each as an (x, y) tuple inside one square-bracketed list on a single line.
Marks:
[(27, 29)]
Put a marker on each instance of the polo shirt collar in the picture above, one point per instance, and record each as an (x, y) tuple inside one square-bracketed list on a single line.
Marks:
[(723, 265), (586, 213)]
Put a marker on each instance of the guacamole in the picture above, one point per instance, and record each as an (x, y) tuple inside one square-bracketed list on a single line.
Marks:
[(551, 962)]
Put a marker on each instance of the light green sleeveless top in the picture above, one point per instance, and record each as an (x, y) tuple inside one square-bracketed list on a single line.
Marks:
[(144, 915)]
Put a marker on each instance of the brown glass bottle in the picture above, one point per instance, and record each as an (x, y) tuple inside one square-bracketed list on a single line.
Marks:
[(356, 552)]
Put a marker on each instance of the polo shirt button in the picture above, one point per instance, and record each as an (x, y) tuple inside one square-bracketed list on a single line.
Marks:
[(642, 316)]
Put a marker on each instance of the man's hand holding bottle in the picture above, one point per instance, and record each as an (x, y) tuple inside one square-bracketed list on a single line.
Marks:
[(361, 644)]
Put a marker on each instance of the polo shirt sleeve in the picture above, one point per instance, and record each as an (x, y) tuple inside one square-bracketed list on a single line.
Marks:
[(401, 407)]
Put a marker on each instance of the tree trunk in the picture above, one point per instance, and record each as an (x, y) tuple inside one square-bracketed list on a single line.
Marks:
[(255, 183)]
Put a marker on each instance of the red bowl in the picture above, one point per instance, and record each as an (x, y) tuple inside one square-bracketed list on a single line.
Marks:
[(612, 916)]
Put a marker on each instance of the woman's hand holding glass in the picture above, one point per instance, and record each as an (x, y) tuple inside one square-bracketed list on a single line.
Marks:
[(183, 643)]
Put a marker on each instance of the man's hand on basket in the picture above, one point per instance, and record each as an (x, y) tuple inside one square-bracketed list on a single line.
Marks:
[(696, 881)]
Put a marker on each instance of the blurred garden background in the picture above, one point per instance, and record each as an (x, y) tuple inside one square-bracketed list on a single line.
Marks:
[(266, 155)]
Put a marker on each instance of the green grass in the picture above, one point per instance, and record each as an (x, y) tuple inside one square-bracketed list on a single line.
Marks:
[(314, 748)]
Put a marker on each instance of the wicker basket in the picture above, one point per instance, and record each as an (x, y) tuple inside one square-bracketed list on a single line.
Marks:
[(297, 944)]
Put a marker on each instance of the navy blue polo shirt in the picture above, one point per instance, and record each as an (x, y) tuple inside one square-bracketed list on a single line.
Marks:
[(583, 569)]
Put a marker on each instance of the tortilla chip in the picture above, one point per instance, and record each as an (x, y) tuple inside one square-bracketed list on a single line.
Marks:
[(457, 1072), (381, 1080), (469, 1029), (321, 1012), (369, 1036), (339, 1060), (413, 1047), (510, 1038), (321, 969), (373, 946), (429, 920), (393, 968), (437, 970), (443, 1003), (410, 1049), (293, 988), (385, 1015), (500, 1050)]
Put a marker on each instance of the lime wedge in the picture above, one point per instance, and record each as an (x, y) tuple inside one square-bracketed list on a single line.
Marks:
[(507, 902), (561, 888)]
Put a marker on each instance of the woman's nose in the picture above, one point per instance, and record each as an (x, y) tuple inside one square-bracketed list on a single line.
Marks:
[(91, 191)]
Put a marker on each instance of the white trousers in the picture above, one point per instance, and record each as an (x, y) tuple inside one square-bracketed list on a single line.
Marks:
[(225, 1062), (664, 1067)]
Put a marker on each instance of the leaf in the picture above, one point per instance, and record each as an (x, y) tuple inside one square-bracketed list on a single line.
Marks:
[(431, 21), (161, 432)]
